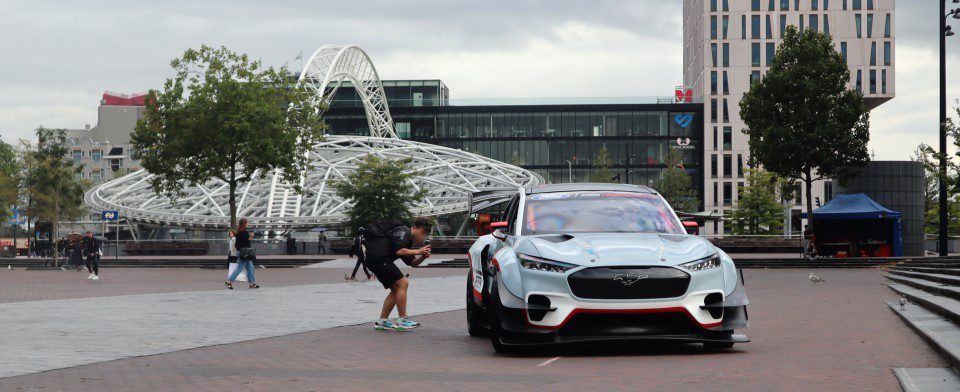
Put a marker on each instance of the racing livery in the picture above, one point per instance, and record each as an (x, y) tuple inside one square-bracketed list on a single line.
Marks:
[(588, 262)]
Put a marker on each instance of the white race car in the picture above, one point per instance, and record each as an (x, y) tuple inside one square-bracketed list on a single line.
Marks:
[(594, 262)]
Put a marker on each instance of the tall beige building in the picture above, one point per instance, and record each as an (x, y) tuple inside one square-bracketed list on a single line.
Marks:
[(104, 150), (727, 44)]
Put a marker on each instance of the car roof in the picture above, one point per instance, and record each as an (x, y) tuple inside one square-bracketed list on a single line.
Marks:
[(588, 186)]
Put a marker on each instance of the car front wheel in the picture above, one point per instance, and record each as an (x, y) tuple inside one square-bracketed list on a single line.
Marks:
[(474, 315)]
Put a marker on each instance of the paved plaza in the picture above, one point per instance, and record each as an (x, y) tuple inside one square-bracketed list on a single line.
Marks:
[(307, 330)]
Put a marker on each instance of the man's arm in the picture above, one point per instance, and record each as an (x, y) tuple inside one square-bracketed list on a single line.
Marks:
[(423, 254)]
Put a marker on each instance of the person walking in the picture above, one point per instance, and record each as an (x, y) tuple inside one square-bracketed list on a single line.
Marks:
[(322, 243), (358, 248), (386, 242), (91, 250), (245, 255)]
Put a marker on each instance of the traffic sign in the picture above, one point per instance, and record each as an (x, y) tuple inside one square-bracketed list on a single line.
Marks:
[(110, 215)]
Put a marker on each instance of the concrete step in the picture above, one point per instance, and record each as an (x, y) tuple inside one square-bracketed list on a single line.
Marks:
[(939, 278), (939, 332), (931, 287), (946, 307), (932, 270), (928, 379)]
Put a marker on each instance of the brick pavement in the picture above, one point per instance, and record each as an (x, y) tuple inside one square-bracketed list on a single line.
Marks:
[(836, 336)]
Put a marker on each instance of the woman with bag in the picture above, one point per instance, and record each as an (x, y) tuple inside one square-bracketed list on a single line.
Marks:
[(245, 255), (232, 258)]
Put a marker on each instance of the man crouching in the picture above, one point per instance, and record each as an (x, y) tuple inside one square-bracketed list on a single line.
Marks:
[(386, 242)]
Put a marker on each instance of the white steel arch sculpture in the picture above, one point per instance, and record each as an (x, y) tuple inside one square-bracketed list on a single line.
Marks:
[(330, 65), (448, 176)]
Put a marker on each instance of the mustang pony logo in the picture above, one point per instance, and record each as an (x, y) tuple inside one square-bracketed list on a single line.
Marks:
[(629, 280)]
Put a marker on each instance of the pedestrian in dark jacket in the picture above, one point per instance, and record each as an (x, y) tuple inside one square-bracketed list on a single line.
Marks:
[(91, 251), (245, 255)]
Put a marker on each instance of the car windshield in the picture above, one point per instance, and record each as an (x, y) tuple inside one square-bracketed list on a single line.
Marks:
[(598, 212)]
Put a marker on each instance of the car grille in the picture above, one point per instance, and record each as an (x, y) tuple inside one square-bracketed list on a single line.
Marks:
[(629, 282), (628, 325)]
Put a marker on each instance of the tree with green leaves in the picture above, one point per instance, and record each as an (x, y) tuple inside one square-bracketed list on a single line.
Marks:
[(803, 122), (54, 192), (759, 210), (9, 180), (675, 185), (226, 117), (601, 167), (379, 189)]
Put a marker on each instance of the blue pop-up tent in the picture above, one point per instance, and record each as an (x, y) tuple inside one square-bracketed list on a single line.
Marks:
[(859, 207)]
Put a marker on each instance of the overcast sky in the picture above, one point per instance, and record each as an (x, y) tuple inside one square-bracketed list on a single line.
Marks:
[(58, 57)]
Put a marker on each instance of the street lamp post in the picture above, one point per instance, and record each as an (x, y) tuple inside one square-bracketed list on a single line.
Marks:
[(945, 31)]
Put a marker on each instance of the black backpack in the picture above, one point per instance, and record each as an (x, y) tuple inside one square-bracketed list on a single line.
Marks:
[(375, 240)]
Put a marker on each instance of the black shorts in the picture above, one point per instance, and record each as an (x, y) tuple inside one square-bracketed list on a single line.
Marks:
[(386, 273)]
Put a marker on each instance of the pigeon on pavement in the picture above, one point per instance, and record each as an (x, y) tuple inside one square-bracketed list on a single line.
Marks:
[(816, 279), (903, 303)]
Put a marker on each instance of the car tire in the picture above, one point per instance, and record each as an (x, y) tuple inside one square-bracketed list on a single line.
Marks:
[(496, 330), (474, 315)]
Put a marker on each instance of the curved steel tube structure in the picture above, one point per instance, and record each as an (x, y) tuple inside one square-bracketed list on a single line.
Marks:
[(449, 176)]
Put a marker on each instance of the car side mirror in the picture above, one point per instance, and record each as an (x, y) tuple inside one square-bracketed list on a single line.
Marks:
[(691, 227), (496, 227)]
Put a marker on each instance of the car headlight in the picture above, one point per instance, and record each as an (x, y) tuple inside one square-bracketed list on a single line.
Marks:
[(703, 264), (540, 264)]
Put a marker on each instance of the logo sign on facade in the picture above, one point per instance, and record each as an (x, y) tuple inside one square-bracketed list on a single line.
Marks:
[(109, 215), (683, 120), (683, 143), (683, 94)]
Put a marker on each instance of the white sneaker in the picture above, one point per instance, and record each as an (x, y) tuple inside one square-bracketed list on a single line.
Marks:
[(90, 276), (96, 277)]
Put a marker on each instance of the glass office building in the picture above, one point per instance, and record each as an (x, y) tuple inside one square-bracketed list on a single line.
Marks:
[(557, 138)]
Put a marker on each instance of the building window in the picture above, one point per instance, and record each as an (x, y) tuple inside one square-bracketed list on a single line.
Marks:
[(713, 165), (815, 22), (755, 54), (726, 84), (771, 50), (716, 197), (713, 5), (726, 5), (826, 24), (713, 82), (96, 155), (740, 165), (873, 81), (727, 193), (858, 20), (726, 25), (96, 175), (726, 114), (886, 27), (727, 138), (713, 110), (713, 27), (784, 5), (715, 137), (869, 25), (814, 5), (796, 5), (783, 25), (743, 26), (826, 5), (739, 189), (859, 80), (726, 54), (857, 5), (769, 28), (754, 77), (727, 166), (883, 81), (801, 23), (887, 53), (844, 5), (713, 53), (873, 53), (869, 4), (755, 5), (843, 52), (827, 191), (755, 26), (77, 155)]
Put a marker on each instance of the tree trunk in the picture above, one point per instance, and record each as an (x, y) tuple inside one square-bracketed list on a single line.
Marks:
[(808, 185), (233, 198)]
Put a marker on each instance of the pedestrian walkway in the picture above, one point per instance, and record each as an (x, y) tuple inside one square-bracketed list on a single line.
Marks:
[(349, 263), (44, 335)]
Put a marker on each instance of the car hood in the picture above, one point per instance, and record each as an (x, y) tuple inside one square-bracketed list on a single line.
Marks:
[(606, 249)]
